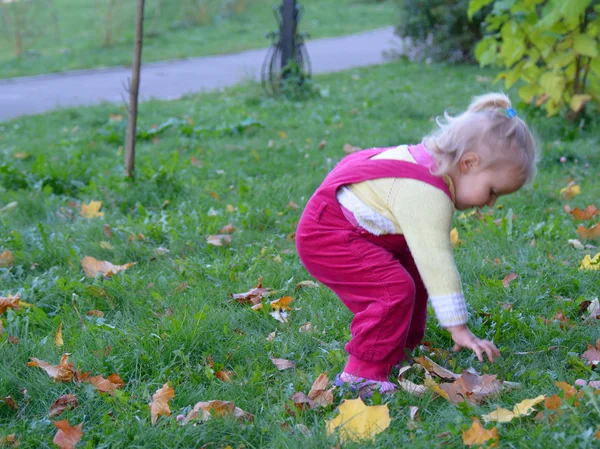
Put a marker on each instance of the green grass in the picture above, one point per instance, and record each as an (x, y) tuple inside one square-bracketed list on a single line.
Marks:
[(155, 331), (73, 37)]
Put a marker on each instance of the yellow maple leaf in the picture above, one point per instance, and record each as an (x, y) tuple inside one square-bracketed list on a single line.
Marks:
[(454, 238), (590, 263), (570, 191), (358, 421), (92, 209), (523, 408), (6, 259), (477, 434)]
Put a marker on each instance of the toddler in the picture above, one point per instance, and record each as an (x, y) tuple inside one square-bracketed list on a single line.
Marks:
[(377, 232)]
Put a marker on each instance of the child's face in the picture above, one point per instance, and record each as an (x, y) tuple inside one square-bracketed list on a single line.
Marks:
[(477, 185)]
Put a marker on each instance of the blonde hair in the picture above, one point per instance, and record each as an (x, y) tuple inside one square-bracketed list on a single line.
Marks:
[(487, 129)]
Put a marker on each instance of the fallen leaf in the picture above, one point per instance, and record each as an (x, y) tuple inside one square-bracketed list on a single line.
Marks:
[(523, 408), (575, 244), (106, 385), (302, 401), (214, 195), (160, 402), (281, 304), (357, 421), (92, 267), (10, 402), (107, 231), (283, 364), (306, 284), (65, 402), (9, 302), (58, 337), (592, 355), (204, 411), (319, 392), (271, 336), (254, 295), (67, 436), (6, 259), (433, 368), (223, 375), (280, 315), (508, 279), (96, 313), (106, 245), (322, 144), (477, 434), (552, 402), (92, 209), (9, 440), (585, 214), (468, 387), (306, 327), (591, 233), (589, 263), (282, 134), (63, 372), (349, 149), (454, 238), (560, 318), (227, 229), (218, 239), (570, 191), (593, 309)]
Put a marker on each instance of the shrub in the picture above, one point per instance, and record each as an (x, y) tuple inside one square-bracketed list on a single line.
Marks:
[(551, 46), (440, 29)]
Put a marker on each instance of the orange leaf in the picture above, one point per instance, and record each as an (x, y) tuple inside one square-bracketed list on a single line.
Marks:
[(585, 214), (65, 402), (63, 372), (9, 302), (508, 279), (6, 259), (106, 385), (227, 229), (552, 402), (477, 434), (319, 392), (67, 436), (160, 402), (224, 376), (92, 209), (92, 267), (591, 233), (97, 313)]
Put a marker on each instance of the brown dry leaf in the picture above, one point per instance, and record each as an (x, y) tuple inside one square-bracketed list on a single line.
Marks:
[(592, 355), (10, 402), (559, 317), (283, 364), (9, 440), (224, 376), (508, 279), (67, 436), (6, 259), (302, 401), (218, 239), (477, 434), (92, 209), (271, 336), (349, 149), (107, 231), (322, 144), (306, 327), (106, 385), (9, 302), (96, 313), (227, 229), (58, 337), (65, 402), (254, 295), (319, 392), (433, 368), (204, 411), (160, 402), (584, 214), (591, 233), (92, 267), (468, 387), (63, 372)]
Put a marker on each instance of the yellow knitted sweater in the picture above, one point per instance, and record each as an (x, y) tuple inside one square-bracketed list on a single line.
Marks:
[(423, 214)]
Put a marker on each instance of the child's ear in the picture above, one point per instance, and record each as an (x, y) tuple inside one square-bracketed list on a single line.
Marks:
[(468, 161)]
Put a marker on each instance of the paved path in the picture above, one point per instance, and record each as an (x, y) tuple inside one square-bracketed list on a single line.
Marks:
[(173, 79)]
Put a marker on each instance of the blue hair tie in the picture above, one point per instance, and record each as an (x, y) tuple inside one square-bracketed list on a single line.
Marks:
[(511, 113)]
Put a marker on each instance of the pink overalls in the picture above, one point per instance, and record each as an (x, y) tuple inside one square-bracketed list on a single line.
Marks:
[(374, 276)]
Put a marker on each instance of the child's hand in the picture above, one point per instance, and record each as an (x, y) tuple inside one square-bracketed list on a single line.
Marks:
[(464, 338)]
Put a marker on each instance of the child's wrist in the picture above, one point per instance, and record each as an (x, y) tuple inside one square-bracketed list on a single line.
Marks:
[(455, 329)]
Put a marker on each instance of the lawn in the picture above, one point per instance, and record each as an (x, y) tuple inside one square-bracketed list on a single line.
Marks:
[(170, 317), (68, 34)]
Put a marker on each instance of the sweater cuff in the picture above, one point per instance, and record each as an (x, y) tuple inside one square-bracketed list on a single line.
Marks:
[(450, 310)]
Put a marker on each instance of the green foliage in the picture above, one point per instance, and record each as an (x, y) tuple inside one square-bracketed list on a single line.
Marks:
[(440, 28), (551, 46)]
